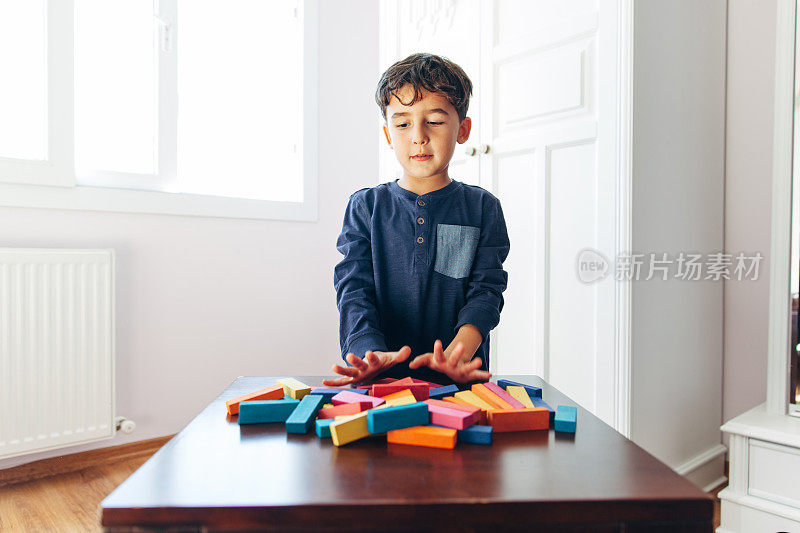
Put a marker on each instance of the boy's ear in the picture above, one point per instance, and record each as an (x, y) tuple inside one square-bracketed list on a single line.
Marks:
[(463, 130), (388, 139)]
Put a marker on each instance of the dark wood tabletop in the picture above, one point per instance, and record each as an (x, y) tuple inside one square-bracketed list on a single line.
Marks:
[(217, 475)]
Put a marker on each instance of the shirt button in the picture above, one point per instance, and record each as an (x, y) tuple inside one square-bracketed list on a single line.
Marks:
[(420, 240), (420, 220), (421, 203)]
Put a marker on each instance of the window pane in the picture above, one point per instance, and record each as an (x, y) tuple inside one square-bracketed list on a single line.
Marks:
[(115, 86), (23, 92), (239, 94)]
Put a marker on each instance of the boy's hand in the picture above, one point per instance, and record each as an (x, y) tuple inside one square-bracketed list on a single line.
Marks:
[(453, 365), (365, 369)]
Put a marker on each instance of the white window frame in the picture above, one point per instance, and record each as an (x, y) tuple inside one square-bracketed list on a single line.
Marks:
[(52, 184)]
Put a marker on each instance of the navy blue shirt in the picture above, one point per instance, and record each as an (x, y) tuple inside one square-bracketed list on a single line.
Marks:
[(417, 268)]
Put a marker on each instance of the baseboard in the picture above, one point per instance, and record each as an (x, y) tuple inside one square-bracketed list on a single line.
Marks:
[(706, 469), (78, 461)]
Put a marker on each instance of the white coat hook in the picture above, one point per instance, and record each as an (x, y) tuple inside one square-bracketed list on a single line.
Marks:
[(164, 33)]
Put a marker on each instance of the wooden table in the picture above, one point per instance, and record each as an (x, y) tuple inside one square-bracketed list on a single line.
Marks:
[(217, 475)]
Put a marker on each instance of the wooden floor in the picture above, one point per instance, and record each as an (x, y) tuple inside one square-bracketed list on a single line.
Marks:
[(70, 501)]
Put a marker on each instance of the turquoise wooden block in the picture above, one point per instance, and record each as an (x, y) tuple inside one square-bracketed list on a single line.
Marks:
[(263, 411), (302, 418), (566, 418), (475, 435), (398, 417), (323, 426)]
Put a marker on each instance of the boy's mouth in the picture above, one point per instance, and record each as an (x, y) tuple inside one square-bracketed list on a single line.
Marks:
[(421, 157)]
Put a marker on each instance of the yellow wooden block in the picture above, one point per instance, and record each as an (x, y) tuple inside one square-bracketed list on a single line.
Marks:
[(350, 428), (327, 405), (293, 388), (473, 399), (520, 394)]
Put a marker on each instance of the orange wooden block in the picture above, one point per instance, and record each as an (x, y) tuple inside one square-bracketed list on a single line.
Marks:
[(429, 436), (344, 409), (270, 393), (489, 397), (505, 420), (482, 419)]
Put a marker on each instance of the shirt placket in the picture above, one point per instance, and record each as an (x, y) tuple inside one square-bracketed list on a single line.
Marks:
[(422, 232)]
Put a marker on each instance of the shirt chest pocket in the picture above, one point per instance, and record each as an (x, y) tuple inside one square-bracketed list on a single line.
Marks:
[(455, 249)]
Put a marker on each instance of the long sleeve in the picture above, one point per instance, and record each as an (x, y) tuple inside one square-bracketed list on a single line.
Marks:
[(488, 280), (354, 282)]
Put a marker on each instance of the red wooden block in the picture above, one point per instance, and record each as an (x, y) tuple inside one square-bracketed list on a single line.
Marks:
[(505, 420), (343, 409), (380, 381), (419, 390), (428, 383)]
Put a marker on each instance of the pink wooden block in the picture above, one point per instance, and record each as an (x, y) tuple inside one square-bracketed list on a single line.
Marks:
[(451, 418), (353, 397), (495, 388)]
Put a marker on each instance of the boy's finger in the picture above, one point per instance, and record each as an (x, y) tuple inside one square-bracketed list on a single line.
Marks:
[(336, 382), (456, 354), (372, 359), (402, 354), (420, 360), (346, 370), (478, 375), (438, 353), (356, 361)]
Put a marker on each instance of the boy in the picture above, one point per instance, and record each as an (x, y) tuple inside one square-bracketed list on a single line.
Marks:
[(423, 255)]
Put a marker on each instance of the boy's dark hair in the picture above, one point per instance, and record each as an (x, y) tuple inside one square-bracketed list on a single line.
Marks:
[(433, 73)]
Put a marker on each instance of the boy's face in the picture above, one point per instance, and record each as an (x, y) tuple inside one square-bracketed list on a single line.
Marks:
[(429, 127)]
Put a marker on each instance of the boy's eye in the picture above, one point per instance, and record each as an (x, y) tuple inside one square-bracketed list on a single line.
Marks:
[(435, 123)]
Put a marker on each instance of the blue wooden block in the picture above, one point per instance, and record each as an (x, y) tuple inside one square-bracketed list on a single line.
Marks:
[(440, 392), (302, 418), (330, 393), (262, 411), (566, 418), (538, 402), (475, 435), (533, 392), (324, 427), (397, 417)]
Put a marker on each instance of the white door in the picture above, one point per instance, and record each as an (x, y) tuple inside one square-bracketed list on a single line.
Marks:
[(548, 73), (447, 28)]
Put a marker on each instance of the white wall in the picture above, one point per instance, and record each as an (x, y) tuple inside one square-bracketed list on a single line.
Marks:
[(748, 190), (201, 301), (678, 187)]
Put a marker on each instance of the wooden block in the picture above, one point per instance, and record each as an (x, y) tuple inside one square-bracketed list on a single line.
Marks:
[(401, 416), (403, 397), (451, 418), (322, 427), (475, 435), (349, 429), (347, 396), (293, 388), (327, 405), (343, 409), (489, 397), (473, 399), (270, 393), (538, 402), (440, 392), (503, 395), (533, 392), (428, 383), (371, 383), (327, 393), (263, 411), (302, 418), (452, 399), (430, 436), (566, 419), (505, 420), (520, 394), (419, 390)]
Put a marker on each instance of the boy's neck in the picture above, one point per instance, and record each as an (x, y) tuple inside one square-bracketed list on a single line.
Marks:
[(423, 186)]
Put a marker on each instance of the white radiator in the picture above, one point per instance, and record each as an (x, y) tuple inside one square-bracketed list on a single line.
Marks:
[(56, 348)]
